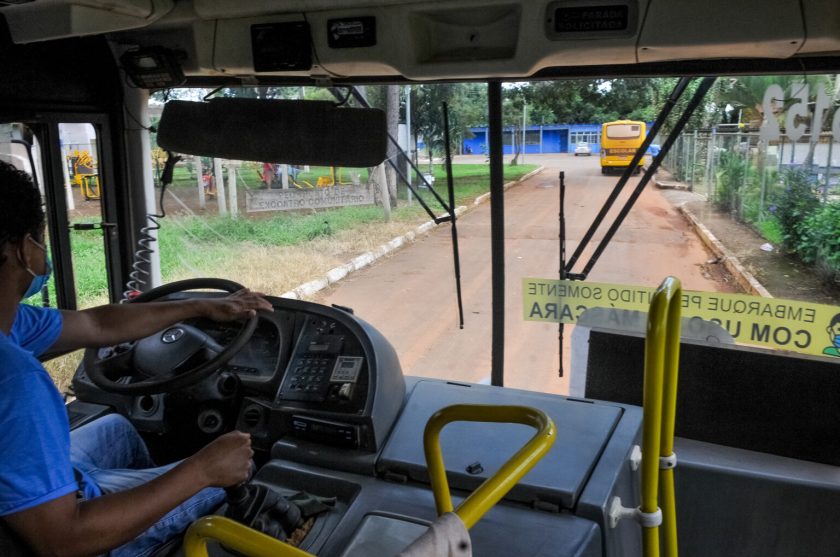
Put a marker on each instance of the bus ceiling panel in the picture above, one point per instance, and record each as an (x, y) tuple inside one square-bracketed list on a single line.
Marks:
[(822, 21), (477, 39), (222, 9), (42, 20), (233, 49), (722, 29), (426, 41)]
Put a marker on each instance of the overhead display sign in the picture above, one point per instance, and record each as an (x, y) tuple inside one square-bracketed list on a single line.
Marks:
[(581, 19), (802, 327), (317, 198)]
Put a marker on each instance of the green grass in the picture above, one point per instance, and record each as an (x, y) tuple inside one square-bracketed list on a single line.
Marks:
[(207, 243), (770, 230)]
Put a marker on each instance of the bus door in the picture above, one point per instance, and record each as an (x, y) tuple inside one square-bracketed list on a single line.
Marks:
[(64, 157)]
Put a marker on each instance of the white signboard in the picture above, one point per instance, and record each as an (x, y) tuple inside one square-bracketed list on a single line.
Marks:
[(317, 198)]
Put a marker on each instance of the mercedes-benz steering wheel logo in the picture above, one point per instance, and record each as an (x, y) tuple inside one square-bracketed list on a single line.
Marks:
[(172, 335)]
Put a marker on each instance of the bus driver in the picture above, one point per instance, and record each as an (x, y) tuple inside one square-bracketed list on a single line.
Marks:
[(96, 489)]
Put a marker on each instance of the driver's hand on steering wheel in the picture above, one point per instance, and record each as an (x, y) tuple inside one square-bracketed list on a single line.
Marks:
[(225, 461), (239, 305)]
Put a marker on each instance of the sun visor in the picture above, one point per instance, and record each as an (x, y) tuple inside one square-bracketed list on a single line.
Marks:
[(278, 131)]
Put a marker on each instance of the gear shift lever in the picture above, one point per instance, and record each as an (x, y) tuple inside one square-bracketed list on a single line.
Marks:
[(259, 507), (237, 494)]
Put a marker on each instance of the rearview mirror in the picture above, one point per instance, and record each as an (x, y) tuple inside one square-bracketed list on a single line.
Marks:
[(277, 131)]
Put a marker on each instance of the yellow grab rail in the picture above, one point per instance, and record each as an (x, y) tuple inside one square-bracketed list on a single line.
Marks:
[(250, 542), (662, 352), (235, 536), (495, 487)]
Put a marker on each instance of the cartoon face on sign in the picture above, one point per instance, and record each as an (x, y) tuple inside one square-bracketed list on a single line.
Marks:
[(834, 334)]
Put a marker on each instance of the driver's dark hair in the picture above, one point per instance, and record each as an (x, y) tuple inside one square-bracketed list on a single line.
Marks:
[(21, 212), (834, 320)]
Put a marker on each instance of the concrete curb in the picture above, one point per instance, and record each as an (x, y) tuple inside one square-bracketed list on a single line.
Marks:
[(744, 278), (336, 274)]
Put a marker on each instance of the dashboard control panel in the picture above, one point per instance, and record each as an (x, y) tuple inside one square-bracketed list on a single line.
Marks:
[(326, 366)]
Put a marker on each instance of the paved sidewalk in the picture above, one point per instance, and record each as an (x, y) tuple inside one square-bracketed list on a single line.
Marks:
[(737, 246)]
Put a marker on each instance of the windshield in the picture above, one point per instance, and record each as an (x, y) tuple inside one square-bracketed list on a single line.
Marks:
[(738, 216)]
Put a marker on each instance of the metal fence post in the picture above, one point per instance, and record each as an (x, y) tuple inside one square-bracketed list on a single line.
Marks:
[(693, 161), (762, 179), (710, 154), (781, 154), (828, 167)]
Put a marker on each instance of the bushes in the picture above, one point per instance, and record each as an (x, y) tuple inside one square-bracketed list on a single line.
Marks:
[(793, 205), (730, 179), (805, 226), (820, 239)]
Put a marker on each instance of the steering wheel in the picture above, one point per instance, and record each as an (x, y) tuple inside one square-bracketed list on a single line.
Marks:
[(169, 360)]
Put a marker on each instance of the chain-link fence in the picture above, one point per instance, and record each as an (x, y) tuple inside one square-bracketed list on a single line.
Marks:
[(787, 190), (738, 173)]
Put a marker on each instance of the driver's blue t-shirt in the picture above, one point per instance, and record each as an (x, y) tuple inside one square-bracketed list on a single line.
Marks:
[(34, 432)]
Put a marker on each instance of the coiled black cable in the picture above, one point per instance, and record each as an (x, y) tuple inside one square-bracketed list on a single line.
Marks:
[(141, 267)]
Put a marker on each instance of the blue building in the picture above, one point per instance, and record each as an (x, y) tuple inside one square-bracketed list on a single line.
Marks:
[(550, 138)]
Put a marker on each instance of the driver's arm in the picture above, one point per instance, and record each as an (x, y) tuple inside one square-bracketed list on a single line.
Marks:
[(68, 528), (115, 323)]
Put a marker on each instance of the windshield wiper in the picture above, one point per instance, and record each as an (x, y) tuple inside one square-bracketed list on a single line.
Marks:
[(448, 207), (566, 268)]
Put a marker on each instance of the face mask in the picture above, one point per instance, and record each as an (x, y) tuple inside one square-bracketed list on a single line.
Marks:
[(837, 341), (39, 281)]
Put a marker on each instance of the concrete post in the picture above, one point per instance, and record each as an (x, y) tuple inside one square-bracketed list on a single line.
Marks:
[(202, 199), (384, 196), (234, 201), (284, 176), (219, 180)]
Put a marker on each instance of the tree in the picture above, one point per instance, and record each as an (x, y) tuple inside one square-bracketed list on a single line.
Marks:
[(427, 117), (392, 115)]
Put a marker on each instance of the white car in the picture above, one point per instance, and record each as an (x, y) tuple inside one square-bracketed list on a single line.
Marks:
[(582, 148)]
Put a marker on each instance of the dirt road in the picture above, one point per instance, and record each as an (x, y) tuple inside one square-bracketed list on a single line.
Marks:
[(410, 297)]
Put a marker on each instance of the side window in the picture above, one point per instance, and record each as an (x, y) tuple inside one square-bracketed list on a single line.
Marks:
[(83, 188)]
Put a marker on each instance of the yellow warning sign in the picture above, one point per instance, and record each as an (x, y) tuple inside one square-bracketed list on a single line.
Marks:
[(801, 327)]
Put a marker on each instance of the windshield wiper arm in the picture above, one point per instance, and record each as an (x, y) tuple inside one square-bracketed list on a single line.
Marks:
[(359, 98)]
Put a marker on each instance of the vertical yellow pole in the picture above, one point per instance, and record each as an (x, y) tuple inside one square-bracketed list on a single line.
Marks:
[(662, 345), (652, 416), (669, 409)]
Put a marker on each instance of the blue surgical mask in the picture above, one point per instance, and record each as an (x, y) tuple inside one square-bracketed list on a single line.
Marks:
[(837, 341), (39, 281)]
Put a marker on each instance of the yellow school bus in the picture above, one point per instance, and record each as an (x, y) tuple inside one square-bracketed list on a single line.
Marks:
[(619, 142)]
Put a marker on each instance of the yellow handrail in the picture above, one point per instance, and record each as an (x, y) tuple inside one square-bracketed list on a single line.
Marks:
[(494, 488), (236, 536), (662, 349), (256, 544)]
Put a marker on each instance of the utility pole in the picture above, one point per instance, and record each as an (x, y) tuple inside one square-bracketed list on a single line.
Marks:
[(408, 169), (524, 124)]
